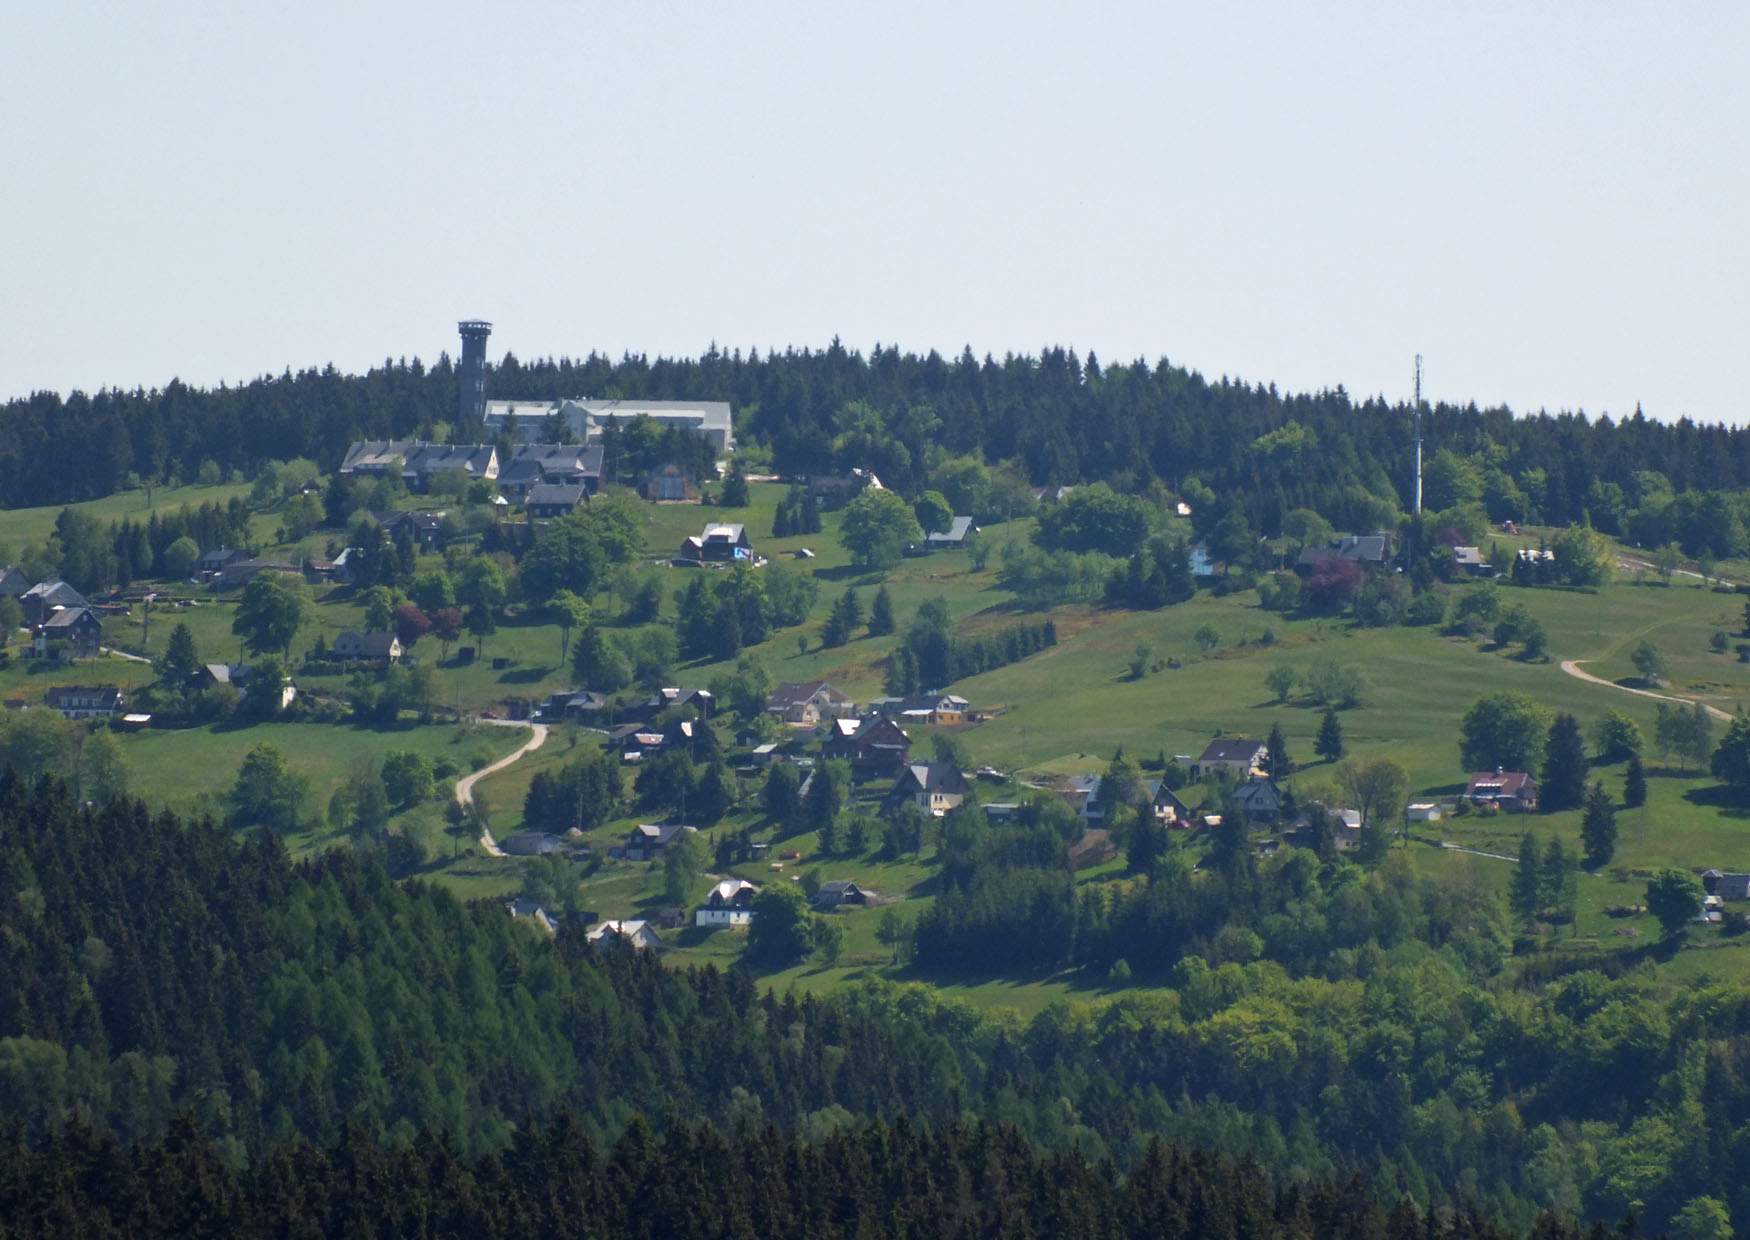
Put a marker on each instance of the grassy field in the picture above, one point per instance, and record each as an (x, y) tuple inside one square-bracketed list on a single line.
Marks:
[(1064, 710), (1069, 708), (22, 527)]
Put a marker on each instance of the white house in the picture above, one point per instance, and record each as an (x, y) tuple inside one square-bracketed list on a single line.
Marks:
[(729, 904), (634, 934)]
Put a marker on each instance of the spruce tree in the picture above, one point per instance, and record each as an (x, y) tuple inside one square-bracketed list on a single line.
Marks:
[(1556, 881), (1634, 784), (734, 489), (1564, 766), (1329, 745), (1281, 765), (1526, 892), (180, 662), (902, 672), (1598, 827), (881, 614)]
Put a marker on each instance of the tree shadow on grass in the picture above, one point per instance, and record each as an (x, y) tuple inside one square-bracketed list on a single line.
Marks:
[(524, 675), (850, 573), (1721, 797)]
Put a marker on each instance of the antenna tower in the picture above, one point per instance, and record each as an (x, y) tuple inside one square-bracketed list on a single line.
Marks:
[(1418, 417)]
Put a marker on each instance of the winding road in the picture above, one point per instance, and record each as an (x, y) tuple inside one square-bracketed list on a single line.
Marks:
[(1572, 667), (465, 785)]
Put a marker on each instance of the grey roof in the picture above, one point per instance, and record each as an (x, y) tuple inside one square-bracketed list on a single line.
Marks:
[(55, 594), (956, 532), (656, 833), (1260, 791), (107, 695), (794, 693), (376, 454), (586, 417), (570, 494), (933, 777), (1468, 555), (1362, 548), (550, 459), (67, 617), (1732, 886), (473, 458), (13, 582), (1231, 749), (377, 645)]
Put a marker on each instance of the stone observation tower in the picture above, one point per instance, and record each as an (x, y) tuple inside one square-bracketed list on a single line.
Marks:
[(471, 400)]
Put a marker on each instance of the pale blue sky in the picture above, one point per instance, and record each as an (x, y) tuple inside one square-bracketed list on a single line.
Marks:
[(1549, 201)]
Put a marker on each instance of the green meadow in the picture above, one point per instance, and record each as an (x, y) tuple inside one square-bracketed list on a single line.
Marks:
[(22, 527), (1065, 710)]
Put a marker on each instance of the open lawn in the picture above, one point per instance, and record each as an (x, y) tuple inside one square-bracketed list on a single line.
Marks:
[(27, 680), (1064, 710), (194, 767), (27, 527)]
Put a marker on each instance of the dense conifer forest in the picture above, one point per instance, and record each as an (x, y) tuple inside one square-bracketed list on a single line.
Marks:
[(169, 984), (966, 1179), (1058, 417)]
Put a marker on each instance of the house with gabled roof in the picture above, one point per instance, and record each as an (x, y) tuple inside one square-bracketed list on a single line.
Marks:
[(548, 500), (648, 841), (524, 909), (839, 893), (1082, 794), (951, 539), (934, 787), (808, 702), (425, 527), (236, 675), (377, 457), (1513, 791), (42, 600), (85, 701), (1168, 809), (214, 561), (1231, 755), (730, 903), (622, 936), (1259, 799), (1367, 550), (720, 543), (873, 746), (13, 582), (382, 647), (474, 461), (242, 572), (536, 463), (69, 633)]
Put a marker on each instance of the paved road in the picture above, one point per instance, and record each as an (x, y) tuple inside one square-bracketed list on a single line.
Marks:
[(1572, 667), (465, 785)]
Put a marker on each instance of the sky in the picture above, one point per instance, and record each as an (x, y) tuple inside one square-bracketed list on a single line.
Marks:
[(1547, 201)]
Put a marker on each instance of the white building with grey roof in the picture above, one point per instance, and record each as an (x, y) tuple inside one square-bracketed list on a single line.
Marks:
[(531, 420)]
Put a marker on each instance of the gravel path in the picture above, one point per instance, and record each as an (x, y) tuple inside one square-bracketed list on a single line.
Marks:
[(465, 785), (1572, 667)]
